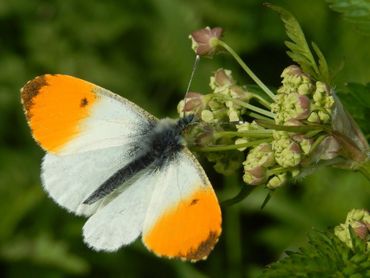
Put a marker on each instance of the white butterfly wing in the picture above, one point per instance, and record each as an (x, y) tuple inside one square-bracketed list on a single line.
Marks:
[(175, 209), (68, 115), (88, 132)]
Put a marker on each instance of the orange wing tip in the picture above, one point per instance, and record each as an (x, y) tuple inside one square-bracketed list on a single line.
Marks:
[(30, 91), (55, 106), (200, 253), (188, 231)]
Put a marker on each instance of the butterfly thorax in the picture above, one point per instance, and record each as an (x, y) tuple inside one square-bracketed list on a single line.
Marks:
[(160, 145), (165, 139)]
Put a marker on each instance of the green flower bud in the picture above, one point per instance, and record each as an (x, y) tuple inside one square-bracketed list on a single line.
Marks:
[(241, 141), (215, 103), (248, 126), (287, 152), (277, 181), (324, 117), (313, 118), (233, 115), (305, 88), (207, 116), (258, 159), (359, 220)]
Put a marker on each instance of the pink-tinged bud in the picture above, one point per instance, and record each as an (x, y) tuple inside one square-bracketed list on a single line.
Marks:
[(205, 41), (222, 79), (255, 176), (194, 102), (361, 229), (291, 70), (303, 106)]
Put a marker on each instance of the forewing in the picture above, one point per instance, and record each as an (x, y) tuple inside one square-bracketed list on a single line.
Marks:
[(184, 218), (69, 115)]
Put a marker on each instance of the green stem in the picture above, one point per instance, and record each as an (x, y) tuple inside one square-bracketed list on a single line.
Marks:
[(221, 148), (254, 108), (247, 69), (261, 100), (299, 129), (248, 133), (243, 193), (259, 117)]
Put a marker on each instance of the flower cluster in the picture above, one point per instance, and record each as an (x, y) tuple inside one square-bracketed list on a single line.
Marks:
[(275, 137), (359, 221), (300, 99)]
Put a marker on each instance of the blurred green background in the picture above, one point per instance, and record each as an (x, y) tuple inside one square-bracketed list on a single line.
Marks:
[(141, 50)]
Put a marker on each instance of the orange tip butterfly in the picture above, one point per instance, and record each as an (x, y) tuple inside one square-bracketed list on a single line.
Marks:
[(130, 173)]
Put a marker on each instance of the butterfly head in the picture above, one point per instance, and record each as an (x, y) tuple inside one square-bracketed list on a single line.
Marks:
[(187, 120)]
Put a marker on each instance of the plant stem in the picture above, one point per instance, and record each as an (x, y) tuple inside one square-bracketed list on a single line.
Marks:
[(248, 133), (254, 108), (221, 148), (244, 192), (247, 69)]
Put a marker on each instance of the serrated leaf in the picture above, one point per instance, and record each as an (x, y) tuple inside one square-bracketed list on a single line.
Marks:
[(356, 12), (323, 65), (323, 256), (299, 50)]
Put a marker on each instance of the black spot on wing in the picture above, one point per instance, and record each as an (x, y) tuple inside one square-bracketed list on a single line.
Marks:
[(84, 102)]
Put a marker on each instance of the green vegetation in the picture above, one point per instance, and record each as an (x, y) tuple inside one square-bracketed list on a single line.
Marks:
[(141, 50)]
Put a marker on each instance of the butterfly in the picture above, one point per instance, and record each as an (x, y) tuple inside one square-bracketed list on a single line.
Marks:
[(129, 172)]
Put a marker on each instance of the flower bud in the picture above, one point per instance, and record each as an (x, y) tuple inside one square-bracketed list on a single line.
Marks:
[(193, 103), (207, 116), (221, 80), (241, 141), (277, 181), (287, 152), (359, 220), (205, 41), (256, 163)]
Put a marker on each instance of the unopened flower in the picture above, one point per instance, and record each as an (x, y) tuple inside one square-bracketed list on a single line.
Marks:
[(205, 41), (221, 80), (207, 116), (304, 142), (277, 181), (256, 164), (193, 103), (288, 153), (359, 220)]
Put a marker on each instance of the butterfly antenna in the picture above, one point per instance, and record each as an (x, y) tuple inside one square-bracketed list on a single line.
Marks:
[(197, 58)]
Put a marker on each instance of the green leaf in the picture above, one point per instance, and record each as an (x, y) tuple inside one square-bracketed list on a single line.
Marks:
[(356, 12), (323, 65), (323, 256), (299, 50)]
